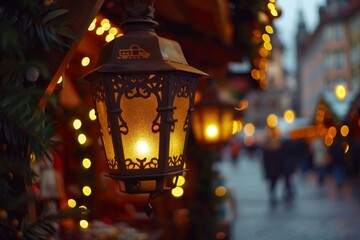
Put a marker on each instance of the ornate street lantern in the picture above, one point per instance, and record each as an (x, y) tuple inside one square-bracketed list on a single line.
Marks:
[(212, 119), (143, 91)]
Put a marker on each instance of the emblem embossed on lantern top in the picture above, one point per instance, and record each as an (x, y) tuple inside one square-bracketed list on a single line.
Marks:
[(134, 52)]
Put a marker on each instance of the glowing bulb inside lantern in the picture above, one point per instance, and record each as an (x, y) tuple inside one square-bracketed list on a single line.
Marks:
[(142, 147), (212, 131)]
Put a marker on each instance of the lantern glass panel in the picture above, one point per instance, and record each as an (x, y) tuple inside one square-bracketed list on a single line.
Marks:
[(104, 123), (178, 135), (140, 144)]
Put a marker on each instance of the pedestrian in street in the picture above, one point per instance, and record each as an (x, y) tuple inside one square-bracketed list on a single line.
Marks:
[(291, 153), (320, 161), (337, 159), (272, 161)]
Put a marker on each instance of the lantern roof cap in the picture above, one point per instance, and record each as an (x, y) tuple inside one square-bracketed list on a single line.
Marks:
[(141, 52)]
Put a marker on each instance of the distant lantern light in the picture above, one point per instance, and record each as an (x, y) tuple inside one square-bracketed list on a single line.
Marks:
[(340, 92), (177, 192), (255, 74), (86, 163), (77, 124), (82, 138), (289, 116), (85, 61), (269, 29), (274, 12), (220, 191), (86, 191), (344, 130), (92, 25), (92, 114), (237, 126), (113, 30), (249, 129), (84, 224), (180, 181), (104, 21), (328, 140), (106, 26), (100, 31), (272, 120), (60, 80), (267, 46), (109, 37), (71, 203), (332, 131), (271, 6), (212, 119), (265, 37)]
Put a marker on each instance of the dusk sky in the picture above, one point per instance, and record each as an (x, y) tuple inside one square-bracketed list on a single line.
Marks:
[(287, 24)]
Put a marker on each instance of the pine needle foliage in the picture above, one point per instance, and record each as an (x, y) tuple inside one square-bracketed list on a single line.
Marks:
[(26, 130)]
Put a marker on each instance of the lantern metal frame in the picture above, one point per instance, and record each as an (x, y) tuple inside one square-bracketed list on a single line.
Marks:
[(142, 65)]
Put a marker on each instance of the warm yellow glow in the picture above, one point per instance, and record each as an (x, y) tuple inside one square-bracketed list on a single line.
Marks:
[(272, 1), (243, 104), (255, 74), (84, 224), (266, 37), (344, 130), (220, 191), (82, 138), (263, 52), (340, 92), (272, 120), (328, 140), (109, 37), (104, 21), (100, 31), (274, 12), (347, 147), (269, 29), (267, 46), (113, 30), (106, 26), (86, 190), (177, 192), (142, 147), (289, 116), (92, 115), (77, 124), (332, 132), (86, 163), (271, 6), (180, 181), (92, 26), (85, 61), (237, 126), (60, 80), (249, 129), (83, 207), (140, 142), (71, 203), (212, 131)]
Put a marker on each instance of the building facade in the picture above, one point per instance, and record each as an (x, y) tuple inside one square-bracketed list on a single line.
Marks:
[(330, 55)]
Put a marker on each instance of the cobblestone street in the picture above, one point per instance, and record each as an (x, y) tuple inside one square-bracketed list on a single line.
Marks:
[(316, 213)]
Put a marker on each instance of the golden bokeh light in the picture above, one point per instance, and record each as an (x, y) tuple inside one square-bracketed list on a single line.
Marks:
[(85, 61), (82, 138), (71, 203), (86, 163), (177, 192), (272, 120), (344, 130), (289, 116), (86, 191), (84, 224), (77, 124), (220, 191), (249, 129)]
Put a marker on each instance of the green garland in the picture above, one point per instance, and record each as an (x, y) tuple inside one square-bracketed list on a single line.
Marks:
[(25, 129)]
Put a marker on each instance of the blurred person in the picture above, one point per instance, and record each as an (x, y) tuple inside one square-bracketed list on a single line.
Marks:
[(272, 161), (337, 160), (319, 153), (291, 153)]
